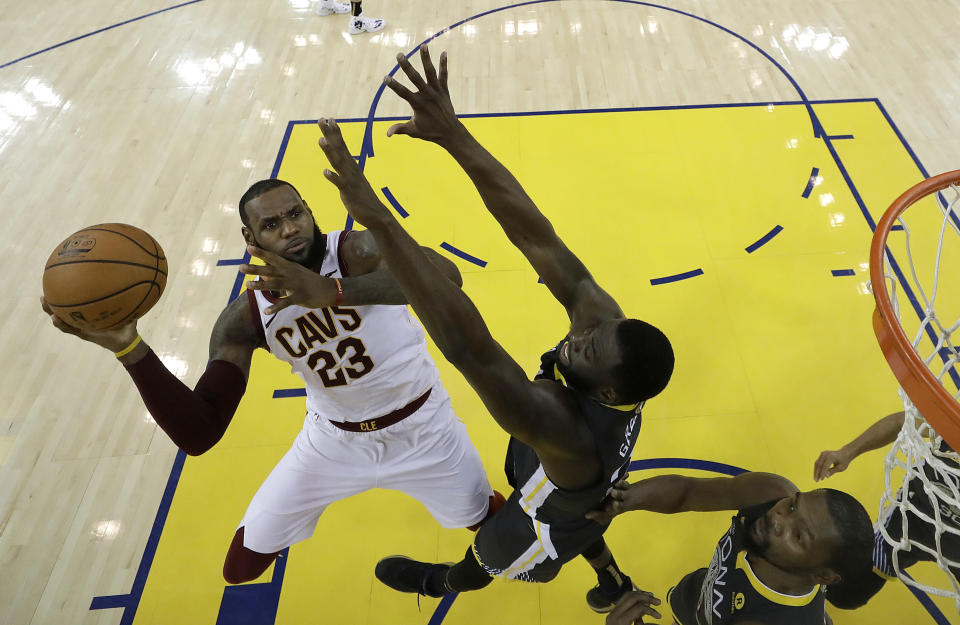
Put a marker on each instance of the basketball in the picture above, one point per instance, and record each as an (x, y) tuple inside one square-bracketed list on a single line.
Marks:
[(104, 276)]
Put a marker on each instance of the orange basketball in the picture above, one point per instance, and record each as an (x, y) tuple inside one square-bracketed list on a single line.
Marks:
[(104, 276)]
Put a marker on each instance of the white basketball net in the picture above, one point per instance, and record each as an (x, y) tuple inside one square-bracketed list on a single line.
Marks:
[(918, 454)]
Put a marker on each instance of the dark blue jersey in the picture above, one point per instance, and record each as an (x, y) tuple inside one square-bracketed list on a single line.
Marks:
[(729, 592), (615, 430)]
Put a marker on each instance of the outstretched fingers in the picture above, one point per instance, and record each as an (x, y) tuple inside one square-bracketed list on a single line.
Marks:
[(428, 69), (412, 73), (398, 88), (335, 149), (443, 70)]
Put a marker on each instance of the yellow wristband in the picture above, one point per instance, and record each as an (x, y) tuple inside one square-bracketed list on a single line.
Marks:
[(129, 348)]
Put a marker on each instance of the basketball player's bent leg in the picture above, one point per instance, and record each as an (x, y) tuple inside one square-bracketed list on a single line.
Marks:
[(433, 460), (612, 583), (507, 545), (321, 467)]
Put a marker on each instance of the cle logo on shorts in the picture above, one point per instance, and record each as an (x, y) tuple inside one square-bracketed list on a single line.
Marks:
[(368, 426)]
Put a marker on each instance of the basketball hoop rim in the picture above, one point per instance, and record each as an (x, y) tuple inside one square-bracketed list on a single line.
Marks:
[(928, 394)]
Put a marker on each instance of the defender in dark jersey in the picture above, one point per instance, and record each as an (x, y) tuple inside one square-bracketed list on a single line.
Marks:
[(855, 592), (573, 428), (771, 564)]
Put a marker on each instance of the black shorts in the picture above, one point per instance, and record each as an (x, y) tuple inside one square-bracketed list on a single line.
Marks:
[(685, 596), (512, 545)]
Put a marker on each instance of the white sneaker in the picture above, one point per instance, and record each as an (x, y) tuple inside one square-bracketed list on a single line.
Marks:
[(329, 7), (360, 24)]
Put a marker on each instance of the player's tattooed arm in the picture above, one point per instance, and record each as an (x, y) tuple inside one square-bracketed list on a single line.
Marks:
[(435, 120), (235, 336)]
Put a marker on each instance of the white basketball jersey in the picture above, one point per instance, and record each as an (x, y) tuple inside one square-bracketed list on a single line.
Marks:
[(358, 362)]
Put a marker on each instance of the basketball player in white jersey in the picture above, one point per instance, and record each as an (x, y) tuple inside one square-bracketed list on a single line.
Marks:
[(377, 414)]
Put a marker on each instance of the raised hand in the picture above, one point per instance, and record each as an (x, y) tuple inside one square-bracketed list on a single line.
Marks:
[(299, 285), (830, 462), (355, 192), (615, 503), (114, 339), (632, 607), (433, 116)]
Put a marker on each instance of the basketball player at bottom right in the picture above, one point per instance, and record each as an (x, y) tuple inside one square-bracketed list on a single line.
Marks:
[(770, 567), (855, 592)]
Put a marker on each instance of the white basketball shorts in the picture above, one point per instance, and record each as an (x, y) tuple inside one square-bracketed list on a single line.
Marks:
[(428, 456)]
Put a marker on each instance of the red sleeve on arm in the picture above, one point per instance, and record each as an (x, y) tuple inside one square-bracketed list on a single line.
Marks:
[(194, 420)]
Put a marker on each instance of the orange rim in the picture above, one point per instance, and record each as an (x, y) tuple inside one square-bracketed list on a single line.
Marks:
[(928, 394)]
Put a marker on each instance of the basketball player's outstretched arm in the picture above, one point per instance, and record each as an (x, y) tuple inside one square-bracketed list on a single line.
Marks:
[(193, 419), (880, 434), (435, 120), (669, 494), (518, 405)]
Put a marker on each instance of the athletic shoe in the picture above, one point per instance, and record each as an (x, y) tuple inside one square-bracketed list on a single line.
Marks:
[(601, 603), (406, 575), (329, 7), (360, 24)]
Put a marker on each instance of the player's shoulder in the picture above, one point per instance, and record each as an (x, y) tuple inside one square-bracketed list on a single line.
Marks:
[(561, 413), (359, 251)]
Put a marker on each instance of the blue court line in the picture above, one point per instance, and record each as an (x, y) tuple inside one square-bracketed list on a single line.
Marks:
[(843, 272), (441, 612), (927, 602), (896, 227), (227, 262), (254, 604), (811, 182), (839, 137), (686, 463), (463, 255), (131, 601), (100, 30), (393, 202), (283, 393), (753, 247), (366, 150), (677, 277)]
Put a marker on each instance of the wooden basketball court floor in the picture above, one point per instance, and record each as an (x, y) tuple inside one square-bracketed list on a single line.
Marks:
[(718, 169)]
